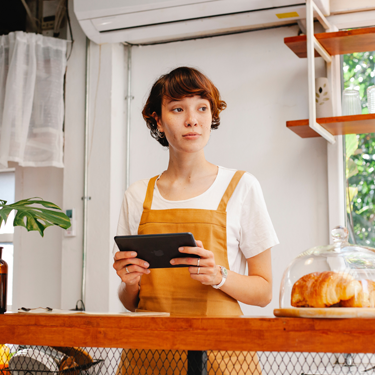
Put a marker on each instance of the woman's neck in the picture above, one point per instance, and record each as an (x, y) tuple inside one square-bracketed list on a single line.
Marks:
[(186, 177), (188, 167)]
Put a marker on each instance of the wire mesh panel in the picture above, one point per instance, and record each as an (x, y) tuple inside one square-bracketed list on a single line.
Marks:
[(277, 363), (37, 360)]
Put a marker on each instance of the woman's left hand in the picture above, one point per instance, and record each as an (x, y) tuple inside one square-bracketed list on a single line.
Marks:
[(203, 269)]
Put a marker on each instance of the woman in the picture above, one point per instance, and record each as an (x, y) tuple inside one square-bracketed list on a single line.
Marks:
[(223, 208)]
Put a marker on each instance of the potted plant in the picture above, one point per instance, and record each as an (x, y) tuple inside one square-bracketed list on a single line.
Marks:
[(33, 214)]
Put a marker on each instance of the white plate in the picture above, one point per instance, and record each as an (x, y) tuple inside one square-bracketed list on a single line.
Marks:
[(31, 360), (328, 312)]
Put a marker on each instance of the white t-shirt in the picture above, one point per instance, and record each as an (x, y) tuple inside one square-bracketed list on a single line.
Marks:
[(249, 227)]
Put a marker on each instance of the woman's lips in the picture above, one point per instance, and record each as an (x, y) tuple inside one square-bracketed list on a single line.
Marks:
[(191, 135)]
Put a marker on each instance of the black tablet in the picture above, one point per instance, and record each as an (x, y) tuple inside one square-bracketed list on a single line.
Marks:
[(157, 249)]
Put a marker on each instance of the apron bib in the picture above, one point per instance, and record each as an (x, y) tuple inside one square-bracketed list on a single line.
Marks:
[(174, 291)]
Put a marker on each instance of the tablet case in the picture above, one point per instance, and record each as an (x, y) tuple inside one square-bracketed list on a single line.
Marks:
[(158, 249)]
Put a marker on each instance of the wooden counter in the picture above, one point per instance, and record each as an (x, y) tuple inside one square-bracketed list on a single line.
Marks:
[(191, 333)]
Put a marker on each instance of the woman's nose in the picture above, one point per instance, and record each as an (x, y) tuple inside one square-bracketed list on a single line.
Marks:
[(191, 120)]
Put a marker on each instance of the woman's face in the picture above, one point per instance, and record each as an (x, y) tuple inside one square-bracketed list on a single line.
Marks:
[(186, 123)]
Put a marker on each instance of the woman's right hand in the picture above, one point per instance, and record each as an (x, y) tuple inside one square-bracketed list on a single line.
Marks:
[(129, 268)]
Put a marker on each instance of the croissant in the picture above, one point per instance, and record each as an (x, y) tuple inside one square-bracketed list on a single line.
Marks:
[(364, 298), (300, 288), (324, 289), (68, 364)]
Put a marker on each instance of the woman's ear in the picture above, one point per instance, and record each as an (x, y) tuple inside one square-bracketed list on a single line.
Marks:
[(158, 121)]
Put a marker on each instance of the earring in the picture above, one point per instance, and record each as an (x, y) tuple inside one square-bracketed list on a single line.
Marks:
[(160, 134)]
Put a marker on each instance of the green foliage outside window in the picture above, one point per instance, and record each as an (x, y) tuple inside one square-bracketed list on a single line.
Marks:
[(359, 73)]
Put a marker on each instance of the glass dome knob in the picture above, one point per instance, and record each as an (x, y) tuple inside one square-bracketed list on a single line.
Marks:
[(339, 234)]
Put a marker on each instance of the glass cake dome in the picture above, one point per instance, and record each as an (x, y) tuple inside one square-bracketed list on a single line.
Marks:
[(337, 275)]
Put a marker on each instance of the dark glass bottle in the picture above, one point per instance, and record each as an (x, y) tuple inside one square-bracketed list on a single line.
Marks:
[(3, 284)]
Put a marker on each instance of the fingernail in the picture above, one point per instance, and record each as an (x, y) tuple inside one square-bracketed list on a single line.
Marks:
[(148, 271), (145, 264), (133, 254), (181, 249), (172, 261)]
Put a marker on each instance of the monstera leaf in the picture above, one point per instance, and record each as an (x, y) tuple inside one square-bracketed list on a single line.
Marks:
[(31, 214)]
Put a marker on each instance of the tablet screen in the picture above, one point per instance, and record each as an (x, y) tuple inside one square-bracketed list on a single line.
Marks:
[(157, 249)]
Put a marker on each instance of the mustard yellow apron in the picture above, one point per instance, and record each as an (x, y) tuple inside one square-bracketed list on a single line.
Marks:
[(185, 296)]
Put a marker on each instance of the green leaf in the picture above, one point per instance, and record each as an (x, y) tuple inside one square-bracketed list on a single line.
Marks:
[(4, 213), (55, 217), (362, 210), (351, 192), (30, 222), (27, 202), (351, 168), (33, 217), (351, 144), (18, 220)]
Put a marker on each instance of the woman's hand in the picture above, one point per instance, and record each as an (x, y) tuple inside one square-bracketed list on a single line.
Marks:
[(129, 268), (204, 269)]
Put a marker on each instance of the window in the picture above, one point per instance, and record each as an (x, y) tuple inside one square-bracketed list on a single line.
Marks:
[(7, 187), (359, 73)]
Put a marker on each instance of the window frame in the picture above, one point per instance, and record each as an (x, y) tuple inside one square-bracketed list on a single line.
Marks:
[(336, 152), (7, 237)]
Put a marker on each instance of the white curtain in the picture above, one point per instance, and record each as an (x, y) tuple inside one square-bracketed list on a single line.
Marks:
[(32, 69)]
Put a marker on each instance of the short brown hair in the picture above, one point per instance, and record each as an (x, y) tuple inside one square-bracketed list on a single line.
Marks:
[(177, 84)]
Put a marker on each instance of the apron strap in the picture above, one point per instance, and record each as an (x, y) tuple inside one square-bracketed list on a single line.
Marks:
[(224, 200), (230, 189), (149, 193)]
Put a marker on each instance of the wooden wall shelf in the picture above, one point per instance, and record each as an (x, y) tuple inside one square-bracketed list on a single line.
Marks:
[(336, 43), (355, 124)]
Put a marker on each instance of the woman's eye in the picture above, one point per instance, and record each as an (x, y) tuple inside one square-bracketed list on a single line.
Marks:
[(203, 109), (177, 110)]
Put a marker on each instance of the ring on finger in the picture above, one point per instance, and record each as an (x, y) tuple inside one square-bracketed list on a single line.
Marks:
[(198, 262), (198, 270), (126, 269)]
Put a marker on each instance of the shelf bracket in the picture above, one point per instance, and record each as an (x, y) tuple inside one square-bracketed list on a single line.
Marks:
[(312, 43), (321, 131), (322, 51), (321, 18), (327, 26)]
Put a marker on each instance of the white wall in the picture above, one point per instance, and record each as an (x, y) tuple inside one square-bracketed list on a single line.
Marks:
[(106, 170), (106, 165), (37, 260), (48, 271), (264, 85), (71, 257)]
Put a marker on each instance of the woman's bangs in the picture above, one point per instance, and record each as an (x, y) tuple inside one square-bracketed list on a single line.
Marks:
[(181, 87)]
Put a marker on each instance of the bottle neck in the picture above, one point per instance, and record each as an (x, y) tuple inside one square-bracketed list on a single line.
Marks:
[(1, 252)]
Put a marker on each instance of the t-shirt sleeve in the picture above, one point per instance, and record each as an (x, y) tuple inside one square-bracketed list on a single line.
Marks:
[(123, 226), (131, 211), (257, 232)]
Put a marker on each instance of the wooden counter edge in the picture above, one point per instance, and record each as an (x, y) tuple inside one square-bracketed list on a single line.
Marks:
[(191, 333)]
